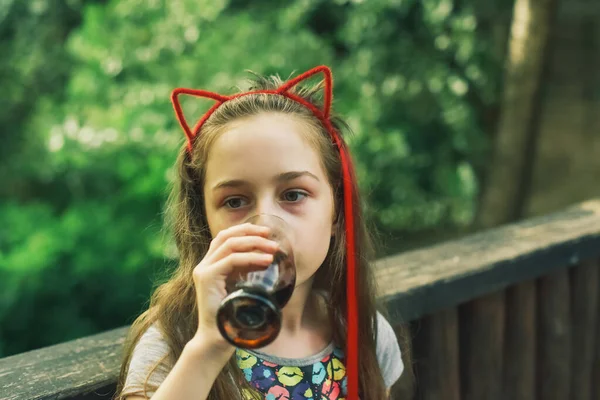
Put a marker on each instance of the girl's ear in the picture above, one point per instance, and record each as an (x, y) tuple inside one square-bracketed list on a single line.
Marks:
[(216, 100), (328, 87)]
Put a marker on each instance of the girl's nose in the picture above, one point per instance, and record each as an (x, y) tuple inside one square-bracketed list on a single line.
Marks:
[(268, 206)]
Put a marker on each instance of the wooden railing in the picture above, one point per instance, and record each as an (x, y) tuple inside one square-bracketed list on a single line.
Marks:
[(510, 313)]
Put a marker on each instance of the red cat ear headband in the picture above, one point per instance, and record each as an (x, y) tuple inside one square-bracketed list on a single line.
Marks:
[(349, 189)]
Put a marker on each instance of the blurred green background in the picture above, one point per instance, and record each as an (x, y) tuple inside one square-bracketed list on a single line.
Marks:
[(89, 136)]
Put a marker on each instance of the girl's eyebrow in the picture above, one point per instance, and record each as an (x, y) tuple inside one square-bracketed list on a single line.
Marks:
[(283, 177)]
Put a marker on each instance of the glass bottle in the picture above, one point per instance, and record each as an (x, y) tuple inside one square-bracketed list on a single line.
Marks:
[(250, 316)]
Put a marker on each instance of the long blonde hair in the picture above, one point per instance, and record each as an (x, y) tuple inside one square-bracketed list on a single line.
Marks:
[(173, 304)]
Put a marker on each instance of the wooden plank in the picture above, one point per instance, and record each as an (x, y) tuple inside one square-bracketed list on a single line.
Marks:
[(64, 370), (520, 342), (423, 281), (104, 393), (584, 280), (554, 337), (482, 347), (436, 344)]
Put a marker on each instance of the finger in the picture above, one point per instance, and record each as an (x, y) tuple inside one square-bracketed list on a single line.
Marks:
[(242, 262), (244, 244), (238, 230)]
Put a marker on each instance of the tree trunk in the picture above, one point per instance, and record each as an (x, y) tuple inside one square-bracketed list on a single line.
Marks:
[(510, 170)]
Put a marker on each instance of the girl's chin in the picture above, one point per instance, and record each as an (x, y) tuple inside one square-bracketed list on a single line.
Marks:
[(302, 282)]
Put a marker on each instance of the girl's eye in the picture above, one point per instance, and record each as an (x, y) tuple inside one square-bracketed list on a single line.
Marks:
[(294, 196), (234, 202)]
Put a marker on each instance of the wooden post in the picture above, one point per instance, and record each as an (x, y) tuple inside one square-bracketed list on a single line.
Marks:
[(596, 365), (437, 356), (404, 389), (585, 316), (554, 337), (482, 347), (520, 347)]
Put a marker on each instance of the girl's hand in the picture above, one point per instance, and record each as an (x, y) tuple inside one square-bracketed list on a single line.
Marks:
[(238, 249)]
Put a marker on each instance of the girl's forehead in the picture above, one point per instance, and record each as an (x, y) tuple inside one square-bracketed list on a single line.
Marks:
[(261, 145)]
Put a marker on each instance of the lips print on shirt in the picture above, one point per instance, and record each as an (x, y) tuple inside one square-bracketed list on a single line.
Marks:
[(245, 359), (323, 380), (336, 370), (330, 390), (302, 391), (278, 393), (290, 376), (319, 373)]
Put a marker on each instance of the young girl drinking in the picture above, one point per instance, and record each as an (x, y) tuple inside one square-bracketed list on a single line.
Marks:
[(274, 150)]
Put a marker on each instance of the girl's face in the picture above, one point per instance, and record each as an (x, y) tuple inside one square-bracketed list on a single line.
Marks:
[(263, 164)]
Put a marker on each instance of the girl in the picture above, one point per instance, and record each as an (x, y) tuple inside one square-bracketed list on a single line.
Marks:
[(274, 150)]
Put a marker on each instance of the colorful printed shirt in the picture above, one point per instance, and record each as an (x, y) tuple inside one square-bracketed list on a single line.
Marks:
[(322, 376)]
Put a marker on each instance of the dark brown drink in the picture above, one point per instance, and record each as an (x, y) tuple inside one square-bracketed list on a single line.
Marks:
[(250, 316)]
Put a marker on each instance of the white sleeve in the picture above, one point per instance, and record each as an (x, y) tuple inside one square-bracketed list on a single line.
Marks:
[(388, 352), (150, 350)]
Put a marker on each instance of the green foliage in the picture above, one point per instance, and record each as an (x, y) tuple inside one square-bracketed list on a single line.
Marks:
[(80, 241)]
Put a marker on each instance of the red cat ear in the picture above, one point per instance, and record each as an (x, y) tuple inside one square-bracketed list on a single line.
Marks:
[(328, 86), (189, 133)]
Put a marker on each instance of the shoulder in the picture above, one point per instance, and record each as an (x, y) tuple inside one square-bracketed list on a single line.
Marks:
[(150, 359), (152, 346), (388, 351)]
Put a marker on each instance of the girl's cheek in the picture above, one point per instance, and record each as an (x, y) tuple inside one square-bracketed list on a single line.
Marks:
[(233, 217)]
